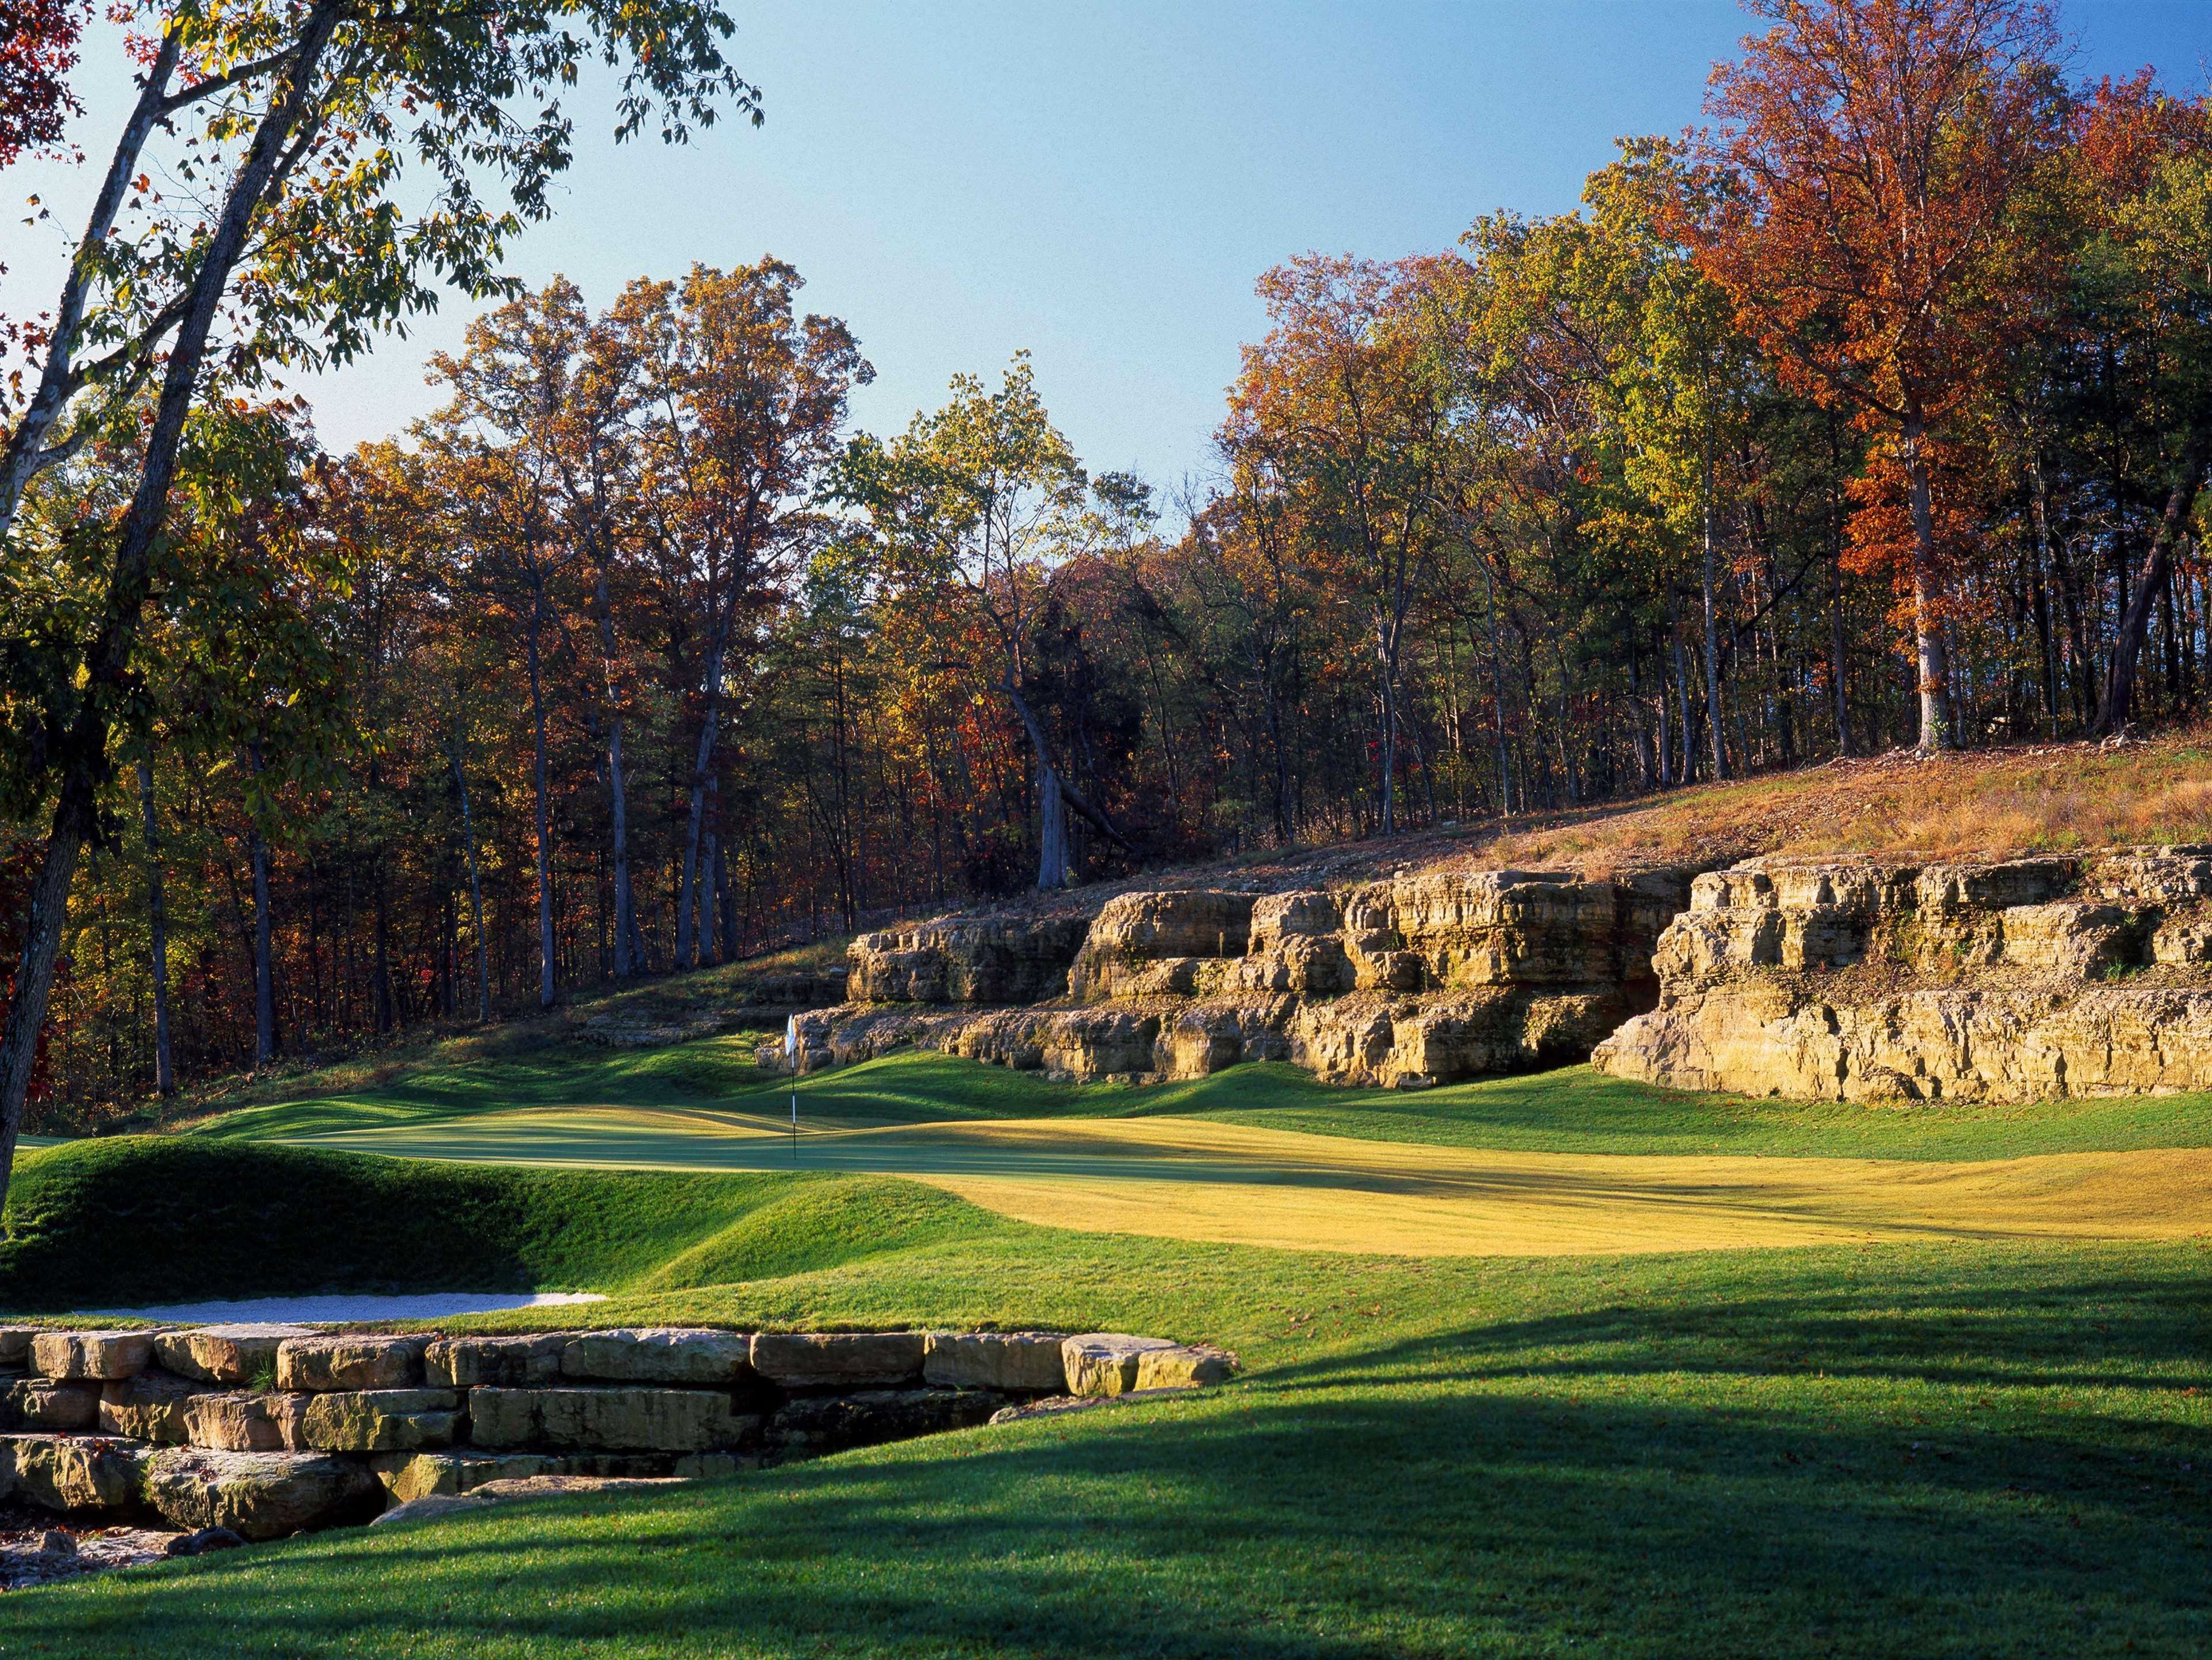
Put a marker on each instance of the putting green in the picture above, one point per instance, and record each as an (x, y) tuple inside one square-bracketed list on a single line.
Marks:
[(1192, 1178)]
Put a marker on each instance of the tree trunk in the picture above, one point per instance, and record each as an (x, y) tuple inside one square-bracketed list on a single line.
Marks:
[(626, 963), (1935, 732), (1713, 640), (2113, 709), (1836, 641), (82, 754), (264, 976), (475, 894), (725, 903), (687, 900), (544, 811), (1053, 873), (157, 930)]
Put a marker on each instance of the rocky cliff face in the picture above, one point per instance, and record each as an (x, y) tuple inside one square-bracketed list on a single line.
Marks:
[(1419, 979), (1892, 981)]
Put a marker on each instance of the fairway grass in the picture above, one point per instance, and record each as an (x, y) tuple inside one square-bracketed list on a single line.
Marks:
[(1919, 1421), (1203, 1178)]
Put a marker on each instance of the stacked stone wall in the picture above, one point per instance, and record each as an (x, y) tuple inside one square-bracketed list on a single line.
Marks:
[(272, 1429)]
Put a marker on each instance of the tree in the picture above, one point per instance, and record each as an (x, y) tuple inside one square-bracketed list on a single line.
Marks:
[(750, 406), (971, 508), (1341, 408), (1874, 167), (293, 122)]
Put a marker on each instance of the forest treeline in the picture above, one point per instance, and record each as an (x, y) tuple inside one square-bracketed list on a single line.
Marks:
[(1875, 413)]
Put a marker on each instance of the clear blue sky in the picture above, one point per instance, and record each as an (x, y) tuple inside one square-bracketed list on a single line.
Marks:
[(1100, 183)]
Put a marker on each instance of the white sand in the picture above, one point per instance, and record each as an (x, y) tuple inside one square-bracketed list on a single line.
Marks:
[(310, 1311)]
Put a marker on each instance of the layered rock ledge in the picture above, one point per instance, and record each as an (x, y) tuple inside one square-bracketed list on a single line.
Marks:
[(1894, 979), (172, 1429), (1414, 980)]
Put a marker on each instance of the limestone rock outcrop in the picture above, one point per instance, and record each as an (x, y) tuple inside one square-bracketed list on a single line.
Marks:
[(1422, 978), (965, 959), (1889, 981)]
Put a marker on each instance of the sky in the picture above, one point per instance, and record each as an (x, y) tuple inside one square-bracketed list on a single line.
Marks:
[(1099, 184)]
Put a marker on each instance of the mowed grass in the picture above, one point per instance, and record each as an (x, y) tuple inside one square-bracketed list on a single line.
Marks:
[(1573, 1109), (1894, 1451)]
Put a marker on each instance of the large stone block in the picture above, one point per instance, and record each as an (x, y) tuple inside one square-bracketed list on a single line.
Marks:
[(72, 1474), (15, 1346), (816, 1360), (659, 1355), (260, 1495), (411, 1475), (235, 1355), (355, 1362), (1022, 1362), (528, 1362), (148, 1407), (1184, 1367), (966, 959), (98, 1355), (610, 1417), (815, 1424), (40, 1403), (247, 1420), (1105, 1362), (380, 1420)]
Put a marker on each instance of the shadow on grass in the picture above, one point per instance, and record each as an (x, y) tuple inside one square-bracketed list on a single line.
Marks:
[(1338, 1523), (2146, 1329)]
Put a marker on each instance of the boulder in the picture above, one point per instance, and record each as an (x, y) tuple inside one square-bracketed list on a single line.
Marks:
[(1135, 930), (613, 1418), (500, 1362), (430, 1507), (354, 1362), (966, 959), (659, 1354), (1184, 1366), (380, 1420), (235, 1355), (73, 1474), (818, 1360), (201, 1541), (260, 1495), (148, 1408), (1105, 1362), (98, 1355), (247, 1420), (38, 1403), (1020, 1362), (15, 1346), (531, 1487), (815, 1424), (408, 1476)]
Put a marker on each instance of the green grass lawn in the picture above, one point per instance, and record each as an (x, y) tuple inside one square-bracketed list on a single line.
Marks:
[(1968, 1451), (1573, 1109), (1901, 1450)]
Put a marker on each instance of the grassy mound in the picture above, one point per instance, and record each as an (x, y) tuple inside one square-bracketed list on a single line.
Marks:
[(142, 1218)]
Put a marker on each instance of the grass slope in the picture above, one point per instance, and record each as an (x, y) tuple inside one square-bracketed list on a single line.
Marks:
[(139, 1220), (1963, 1451)]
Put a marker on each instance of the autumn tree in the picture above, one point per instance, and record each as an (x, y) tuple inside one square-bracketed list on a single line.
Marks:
[(972, 508), (1342, 410), (1872, 165), (289, 127)]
